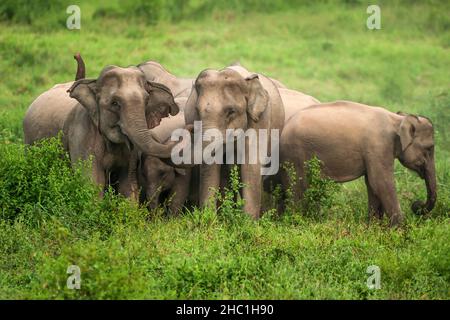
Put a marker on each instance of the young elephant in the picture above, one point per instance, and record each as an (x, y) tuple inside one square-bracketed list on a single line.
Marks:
[(354, 140), (160, 181)]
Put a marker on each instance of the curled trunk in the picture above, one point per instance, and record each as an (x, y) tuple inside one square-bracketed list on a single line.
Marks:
[(135, 127), (419, 207)]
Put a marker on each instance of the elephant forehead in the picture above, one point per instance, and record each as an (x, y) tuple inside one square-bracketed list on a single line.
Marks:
[(219, 78), (122, 77)]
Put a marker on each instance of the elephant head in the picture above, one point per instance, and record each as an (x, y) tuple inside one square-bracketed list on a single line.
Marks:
[(123, 105), (226, 100), (416, 152)]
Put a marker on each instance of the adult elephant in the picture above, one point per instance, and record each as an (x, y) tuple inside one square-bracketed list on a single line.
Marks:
[(234, 98), (111, 115), (354, 140)]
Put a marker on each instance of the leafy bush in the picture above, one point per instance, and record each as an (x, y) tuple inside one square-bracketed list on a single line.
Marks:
[(231, 203), (38, 181), (321, 190), (318, 196)]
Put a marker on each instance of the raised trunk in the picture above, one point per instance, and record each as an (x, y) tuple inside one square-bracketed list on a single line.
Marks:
[(419, 207)]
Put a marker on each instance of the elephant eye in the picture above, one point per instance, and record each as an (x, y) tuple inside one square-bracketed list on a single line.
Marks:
[(115, 104), (229, 112)]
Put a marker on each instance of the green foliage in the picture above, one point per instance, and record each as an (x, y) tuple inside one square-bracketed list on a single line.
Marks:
[(38, 13), (37, 181), (52, 217), (231, 203), (319, 196), (320, 193)]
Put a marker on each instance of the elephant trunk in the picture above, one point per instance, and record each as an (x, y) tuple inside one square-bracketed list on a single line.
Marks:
[(209, 181), (419, 207), (134, 126)]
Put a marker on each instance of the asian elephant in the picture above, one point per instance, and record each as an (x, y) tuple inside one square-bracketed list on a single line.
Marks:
[(113, 117), (234, 98), (106, 118), (354, 140)]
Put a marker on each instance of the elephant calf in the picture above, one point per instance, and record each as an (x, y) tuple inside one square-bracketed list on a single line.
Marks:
[(354, 140), (159, 180)]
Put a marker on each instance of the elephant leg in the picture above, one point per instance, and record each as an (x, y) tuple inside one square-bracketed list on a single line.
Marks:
[(292, 191), (209, 183), (381, 180), (251, 192), (99, 176), (375, 209), (132, 175), (180, 193)]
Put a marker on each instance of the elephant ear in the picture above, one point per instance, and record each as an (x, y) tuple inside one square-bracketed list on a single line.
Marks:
[(406, 131), (257, 99), (160, 104), (190, 108), (84, 91)]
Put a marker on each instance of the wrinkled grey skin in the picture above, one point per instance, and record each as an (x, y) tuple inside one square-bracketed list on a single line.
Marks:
[(160, 181), (105, 118), (234, 98), (354, 140)]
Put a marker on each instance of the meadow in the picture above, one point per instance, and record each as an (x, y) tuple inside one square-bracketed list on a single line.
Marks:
[(51, 217)]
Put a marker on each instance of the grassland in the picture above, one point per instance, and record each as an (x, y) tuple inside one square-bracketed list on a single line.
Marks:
[(51, 217)]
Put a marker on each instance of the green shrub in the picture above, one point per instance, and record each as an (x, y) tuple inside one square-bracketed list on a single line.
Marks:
[(38, 181), (231, 203), (321, 190)]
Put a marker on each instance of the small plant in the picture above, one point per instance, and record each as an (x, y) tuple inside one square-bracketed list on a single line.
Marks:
[(231, 203), (320, 193), (290, 204)]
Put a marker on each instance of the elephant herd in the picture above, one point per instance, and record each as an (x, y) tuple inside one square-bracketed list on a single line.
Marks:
[(123, 120)]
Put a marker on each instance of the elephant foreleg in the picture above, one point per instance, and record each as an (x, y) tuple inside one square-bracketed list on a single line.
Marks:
[(375, 209), (209, 183), (99, 176), (252, 192), (381, 180), (180, 193), (132, 178)]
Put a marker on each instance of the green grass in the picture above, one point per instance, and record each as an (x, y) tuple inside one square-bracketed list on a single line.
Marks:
[(52, 218)]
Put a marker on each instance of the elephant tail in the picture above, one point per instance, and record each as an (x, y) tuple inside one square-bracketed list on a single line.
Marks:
[(81, 70)]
